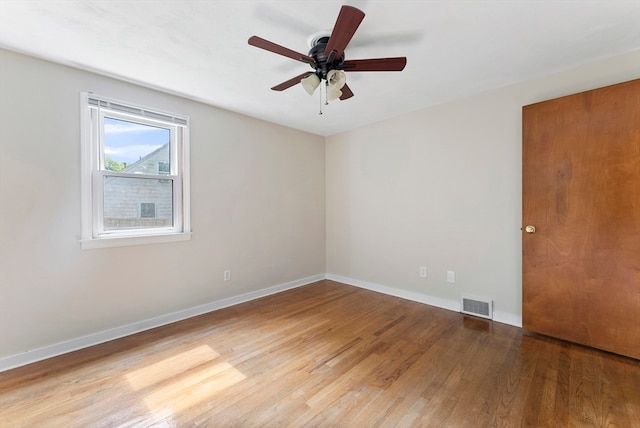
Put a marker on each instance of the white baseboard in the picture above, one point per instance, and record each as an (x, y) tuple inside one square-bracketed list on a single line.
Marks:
[(452, 305), (508, 318), (32, 356)]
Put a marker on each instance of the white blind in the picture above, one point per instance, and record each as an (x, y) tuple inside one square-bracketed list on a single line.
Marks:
[(100, 102)]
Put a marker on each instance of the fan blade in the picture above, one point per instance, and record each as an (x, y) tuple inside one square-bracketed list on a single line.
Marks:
[(348, 21), (291, 82), (375, 64), (346, 93), (280, 50)]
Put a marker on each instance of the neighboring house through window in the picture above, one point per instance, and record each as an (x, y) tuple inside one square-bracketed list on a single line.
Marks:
[(135, 187)]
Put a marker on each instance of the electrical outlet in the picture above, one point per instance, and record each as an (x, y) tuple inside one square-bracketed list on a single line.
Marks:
[(451, 276), (227, 275), (423, 271)]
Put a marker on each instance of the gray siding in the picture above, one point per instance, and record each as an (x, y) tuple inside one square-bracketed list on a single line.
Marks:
[(123, 197)]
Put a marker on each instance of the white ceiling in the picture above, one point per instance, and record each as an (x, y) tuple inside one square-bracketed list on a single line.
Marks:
[(199, 49)]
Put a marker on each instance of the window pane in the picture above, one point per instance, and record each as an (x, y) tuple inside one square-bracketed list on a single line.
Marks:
[(164, 168), (137, 203), (147, 210), (134, 147)]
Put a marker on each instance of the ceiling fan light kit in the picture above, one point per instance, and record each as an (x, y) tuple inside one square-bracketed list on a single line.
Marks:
[(310, 83), (327, 59), (336, 79)]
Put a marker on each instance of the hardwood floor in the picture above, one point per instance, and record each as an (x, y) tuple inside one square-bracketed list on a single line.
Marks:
[(330, 355)]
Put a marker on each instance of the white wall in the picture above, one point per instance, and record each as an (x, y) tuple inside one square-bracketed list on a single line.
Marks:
[(439, 187), (258, 208), (442, 188)]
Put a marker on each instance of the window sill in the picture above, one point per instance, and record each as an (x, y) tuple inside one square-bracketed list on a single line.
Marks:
[(122, 241)]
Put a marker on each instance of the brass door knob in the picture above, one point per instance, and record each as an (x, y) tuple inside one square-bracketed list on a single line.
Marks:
[(530, 229)]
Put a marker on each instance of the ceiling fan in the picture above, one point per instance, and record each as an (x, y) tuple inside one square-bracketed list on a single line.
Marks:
[(327, 58)]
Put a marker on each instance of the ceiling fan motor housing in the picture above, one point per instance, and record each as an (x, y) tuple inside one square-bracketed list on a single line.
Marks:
[(322, 63)]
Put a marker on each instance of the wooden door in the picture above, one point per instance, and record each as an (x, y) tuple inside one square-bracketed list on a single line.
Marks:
[(581, 192)]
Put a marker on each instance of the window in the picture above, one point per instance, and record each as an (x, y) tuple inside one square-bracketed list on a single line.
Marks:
[(135, 187), (164, 168), (147, 210)]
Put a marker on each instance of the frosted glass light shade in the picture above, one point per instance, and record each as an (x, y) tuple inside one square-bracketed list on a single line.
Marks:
[(310, 83), (336, 79), (333, 94)]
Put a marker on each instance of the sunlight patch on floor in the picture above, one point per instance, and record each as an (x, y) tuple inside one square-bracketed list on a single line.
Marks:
[(194, 388), (170, 367), (184, 380)]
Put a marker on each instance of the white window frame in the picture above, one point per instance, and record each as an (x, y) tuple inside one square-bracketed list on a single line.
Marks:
[(93, 111)]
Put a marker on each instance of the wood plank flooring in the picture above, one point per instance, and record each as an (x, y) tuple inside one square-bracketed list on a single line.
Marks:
[(327, 355)]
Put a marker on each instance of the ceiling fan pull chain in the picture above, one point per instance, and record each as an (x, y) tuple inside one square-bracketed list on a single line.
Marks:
[(326, 92), (320, 93)]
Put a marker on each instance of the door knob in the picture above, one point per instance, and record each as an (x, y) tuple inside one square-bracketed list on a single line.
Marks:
[(530, 229)]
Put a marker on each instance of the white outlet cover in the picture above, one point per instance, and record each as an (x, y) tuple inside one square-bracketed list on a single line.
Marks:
[(451, 276), (423, 271)]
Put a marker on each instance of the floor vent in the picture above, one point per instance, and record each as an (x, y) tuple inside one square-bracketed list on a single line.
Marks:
[(475, 306)]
